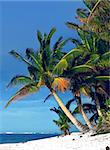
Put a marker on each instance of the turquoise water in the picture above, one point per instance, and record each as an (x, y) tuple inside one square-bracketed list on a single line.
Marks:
[(16, 138)]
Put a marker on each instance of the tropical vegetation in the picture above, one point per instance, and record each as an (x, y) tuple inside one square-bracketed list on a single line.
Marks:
[(42, 67), (63, 122), (84, 70)]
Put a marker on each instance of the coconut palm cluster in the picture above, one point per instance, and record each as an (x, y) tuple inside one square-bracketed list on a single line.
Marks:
[(84, 70)]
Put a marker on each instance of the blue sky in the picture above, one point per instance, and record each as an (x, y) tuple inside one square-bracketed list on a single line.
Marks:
[(20, 21)]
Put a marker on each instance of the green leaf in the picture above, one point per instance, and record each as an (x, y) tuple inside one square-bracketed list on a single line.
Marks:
[(39, 36), (55, 46), (63, 64), (94, 58), (107, 102), (18, 56), (90, 3), (83, 68), (96, 5), (106, 55), (37, 64), (60, 67), (73, 25), (75, 52), (103, 77), (75, 41), (52, 31), (61, 44), (83, 13), (19, 80)]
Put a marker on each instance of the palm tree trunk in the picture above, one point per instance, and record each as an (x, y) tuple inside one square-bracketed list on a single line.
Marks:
[(78, 124), (97, 102), (78, 97), (68, 132), (98, 108), (86, 119)]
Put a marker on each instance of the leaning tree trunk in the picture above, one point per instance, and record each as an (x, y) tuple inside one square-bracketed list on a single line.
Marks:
[(86, 118), (77, 96), (98, 107), (98, 103), (78, 124)]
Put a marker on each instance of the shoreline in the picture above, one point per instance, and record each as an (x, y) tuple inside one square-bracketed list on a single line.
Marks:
[(75, 141)]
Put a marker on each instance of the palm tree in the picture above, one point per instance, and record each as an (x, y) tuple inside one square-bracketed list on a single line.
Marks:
[(94, 42), (76, 90), (63, 122), (102, 123), (95, 18), (83, 71), (88, 108), (44, 70)]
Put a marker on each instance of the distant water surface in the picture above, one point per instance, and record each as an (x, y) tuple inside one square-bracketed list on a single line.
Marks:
[(16, 138)]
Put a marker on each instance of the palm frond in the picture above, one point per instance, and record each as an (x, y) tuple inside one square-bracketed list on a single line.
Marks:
[(87, 107), (74, 52), (26, 90), (93, 10), (62, 43), (73, 26), (33, 72), (106, 55), (69, 103), (98, 19), (60, 84), (28, 52), (57, 53), (55, 46), (31, 55), (94, 118), (83, 68), (63, 64), (60, 67), (58, 123), (94, 58), (90, 3), (39, 37), (83, 13), (103, 78), (104, 63), (18, 56), (15, 54), (57, 111), (19, 80), (52, 31), (45, 37), (47, 97), (75, 41)]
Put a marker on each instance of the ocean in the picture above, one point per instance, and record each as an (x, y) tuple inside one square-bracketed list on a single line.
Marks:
[(17, 138)]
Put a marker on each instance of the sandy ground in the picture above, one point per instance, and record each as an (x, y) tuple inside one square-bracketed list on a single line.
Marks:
[(75, 141)]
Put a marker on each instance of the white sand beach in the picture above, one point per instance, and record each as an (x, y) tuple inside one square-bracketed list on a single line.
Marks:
[(75, 141)]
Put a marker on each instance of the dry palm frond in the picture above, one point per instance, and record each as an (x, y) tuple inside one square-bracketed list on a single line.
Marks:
[(60, 84), (26, 90)]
